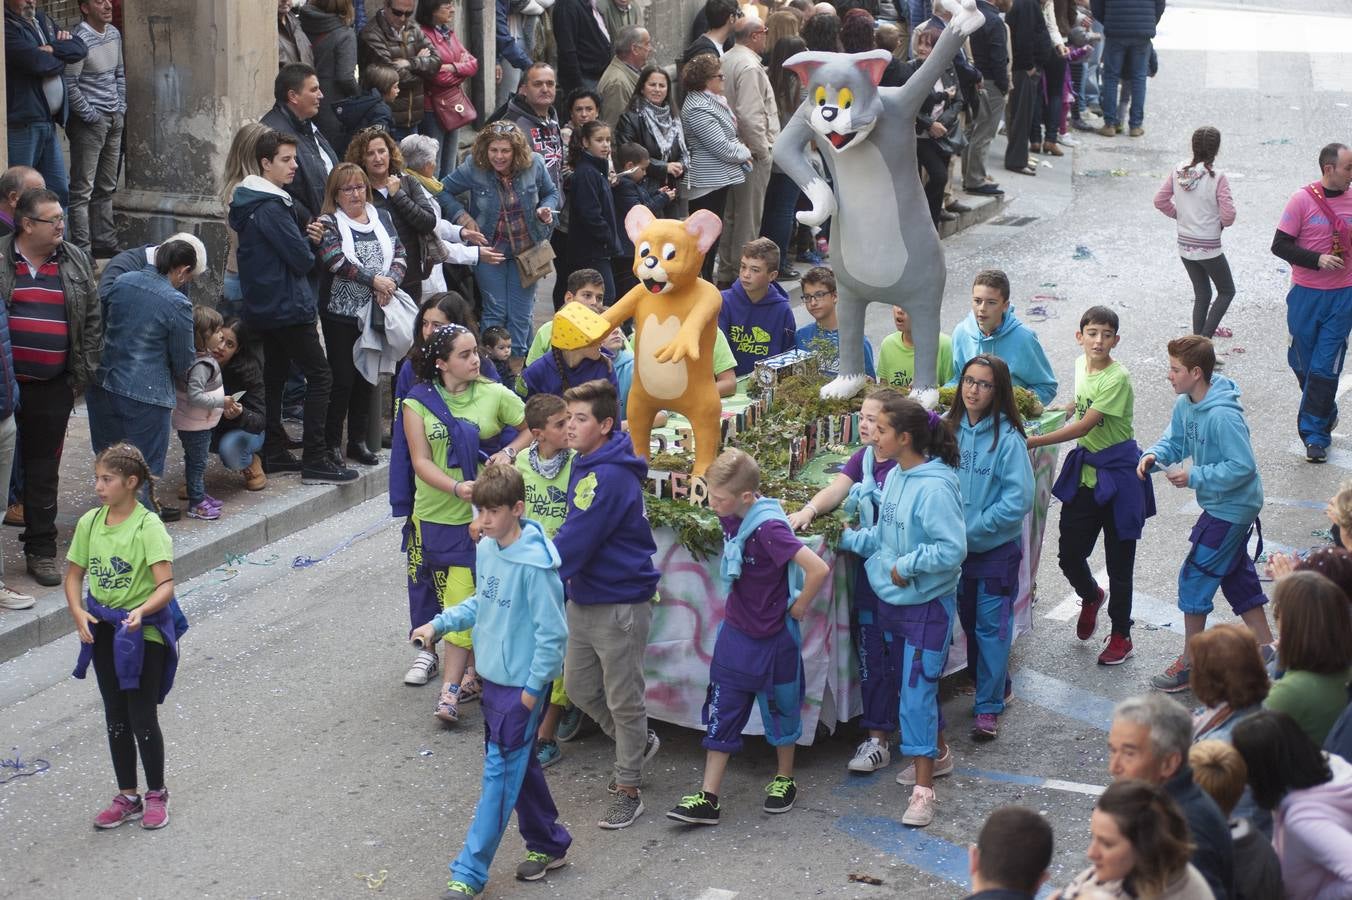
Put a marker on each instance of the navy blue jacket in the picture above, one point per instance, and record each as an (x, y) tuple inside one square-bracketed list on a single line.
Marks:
[(361, 111), (1128, 18), (275, 257), (27, 67), (990, 47), (509, 48), (1133, 500), (1213, 854), (629, 193), (592, 231), (584, 49), (307, 188), (9, 386)]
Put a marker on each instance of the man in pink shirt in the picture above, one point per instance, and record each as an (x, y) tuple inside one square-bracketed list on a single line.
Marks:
[(1314, 237)]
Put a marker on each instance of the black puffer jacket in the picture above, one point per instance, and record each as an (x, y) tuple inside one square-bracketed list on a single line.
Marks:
[(1128, 18), (335, 49)]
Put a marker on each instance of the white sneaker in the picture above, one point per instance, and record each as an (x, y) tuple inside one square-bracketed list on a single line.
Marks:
[(871, 756), (423, 668), (10, 599), (942, 766), (920, 811)]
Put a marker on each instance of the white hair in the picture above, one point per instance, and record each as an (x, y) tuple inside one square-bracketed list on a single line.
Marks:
[(198, 247), (418, 151), (1169, 722)]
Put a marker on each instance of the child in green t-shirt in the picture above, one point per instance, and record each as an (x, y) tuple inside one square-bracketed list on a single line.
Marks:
[(896, 355), (1106, 450), (546, 466), (126, 628)]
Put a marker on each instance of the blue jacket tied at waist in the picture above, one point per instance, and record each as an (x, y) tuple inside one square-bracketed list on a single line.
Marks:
[(129, 647), (1133, 500)]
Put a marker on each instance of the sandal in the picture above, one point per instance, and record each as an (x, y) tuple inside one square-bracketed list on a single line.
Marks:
[(471, 687), (448, 709)]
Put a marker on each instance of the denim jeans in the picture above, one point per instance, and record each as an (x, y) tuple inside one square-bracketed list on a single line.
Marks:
[(37, 145), (781, 199), (1088, 88), (95, 157), (506, 302), (237, 448), (9, 434), (1125, 59), (431, 127), (196, 449), (114, 418)]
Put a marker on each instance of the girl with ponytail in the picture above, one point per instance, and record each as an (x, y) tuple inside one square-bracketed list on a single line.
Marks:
[(1199, 199), (445, 417), (559, 370), (914, 560)]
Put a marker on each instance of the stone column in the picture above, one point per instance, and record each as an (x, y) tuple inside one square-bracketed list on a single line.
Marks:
[(196, 71)]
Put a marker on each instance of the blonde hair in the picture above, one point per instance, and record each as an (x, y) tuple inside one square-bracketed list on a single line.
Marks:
[(1219, 770), (734, 470), (241, 160), (1342, 506)]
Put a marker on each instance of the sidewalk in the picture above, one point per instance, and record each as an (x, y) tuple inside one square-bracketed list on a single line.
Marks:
[(249, 521)]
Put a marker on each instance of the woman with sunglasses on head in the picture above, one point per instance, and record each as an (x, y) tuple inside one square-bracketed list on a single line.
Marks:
[(514, 203), (996, 476)]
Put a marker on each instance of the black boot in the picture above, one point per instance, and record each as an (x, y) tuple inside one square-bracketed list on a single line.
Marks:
[(357, 452)]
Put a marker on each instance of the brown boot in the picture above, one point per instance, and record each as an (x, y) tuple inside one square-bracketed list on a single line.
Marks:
[(14, 515), (1051, 149), (254, 479)]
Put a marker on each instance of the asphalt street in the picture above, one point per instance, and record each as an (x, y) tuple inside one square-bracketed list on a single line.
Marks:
[(300, 765)]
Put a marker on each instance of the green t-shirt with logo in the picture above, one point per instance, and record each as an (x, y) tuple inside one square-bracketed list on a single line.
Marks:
[(488, 405), (118, 558), (896, 362), (1108, 392), (546, 498)]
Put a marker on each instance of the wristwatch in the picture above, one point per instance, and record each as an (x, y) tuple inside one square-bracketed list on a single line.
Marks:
[(511, 453)]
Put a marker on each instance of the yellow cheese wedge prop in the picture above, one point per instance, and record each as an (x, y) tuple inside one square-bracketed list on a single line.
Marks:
[(576, 326)]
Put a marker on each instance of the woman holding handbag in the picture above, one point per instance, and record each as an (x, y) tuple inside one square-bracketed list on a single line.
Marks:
[(513, 203), (363, 261), (446, 105)]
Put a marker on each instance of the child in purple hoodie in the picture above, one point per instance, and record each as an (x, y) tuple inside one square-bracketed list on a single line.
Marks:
[(756, 317), (607, 548)]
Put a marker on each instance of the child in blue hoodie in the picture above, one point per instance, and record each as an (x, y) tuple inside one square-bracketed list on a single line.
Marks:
[(607, 549), (1097, 487), (859, 486), (1208, 426), (994, 330), (756, 317), (771, 579), (915, 555), (516, 613), (996, 477)]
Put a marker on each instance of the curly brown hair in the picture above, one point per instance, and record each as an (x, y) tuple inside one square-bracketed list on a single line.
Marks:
[(502, 130), (356, 151), (700, 71)]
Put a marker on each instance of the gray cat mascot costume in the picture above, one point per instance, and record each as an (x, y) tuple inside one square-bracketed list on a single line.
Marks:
[(884, 244)]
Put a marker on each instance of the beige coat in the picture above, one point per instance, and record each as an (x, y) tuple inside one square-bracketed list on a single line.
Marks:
[(616, 87), (747, 88)]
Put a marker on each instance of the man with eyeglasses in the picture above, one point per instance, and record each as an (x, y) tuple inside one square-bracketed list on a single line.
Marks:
[(746, 85), (56, 331), (393, 38)]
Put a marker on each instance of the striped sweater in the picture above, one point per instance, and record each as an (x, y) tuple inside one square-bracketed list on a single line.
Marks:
[(717, 158), (97, 84)]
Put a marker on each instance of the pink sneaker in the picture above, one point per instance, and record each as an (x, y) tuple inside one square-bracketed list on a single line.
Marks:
[(157, 810), (122, 809)]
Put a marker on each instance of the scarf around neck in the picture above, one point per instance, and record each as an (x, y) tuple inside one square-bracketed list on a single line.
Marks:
[(433, 185), (547, 468), (665, 127), (348, 226)]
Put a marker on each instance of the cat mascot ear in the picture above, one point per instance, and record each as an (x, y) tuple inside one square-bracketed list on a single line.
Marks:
[(871, 63)]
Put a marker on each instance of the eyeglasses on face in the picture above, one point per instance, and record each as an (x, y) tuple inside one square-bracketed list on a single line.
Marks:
[(969, 381), (352, 189), (399, 13), (56, 220), (818, 295)]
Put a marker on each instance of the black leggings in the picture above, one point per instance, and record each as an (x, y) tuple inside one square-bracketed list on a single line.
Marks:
[(934, 163), (1203, 272), (132, 716)]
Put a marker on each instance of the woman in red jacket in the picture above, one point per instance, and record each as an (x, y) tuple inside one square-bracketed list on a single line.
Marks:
[(446, 104)]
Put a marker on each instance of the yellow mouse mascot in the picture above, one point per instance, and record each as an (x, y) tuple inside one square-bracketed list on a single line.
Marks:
[(675, 315)]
